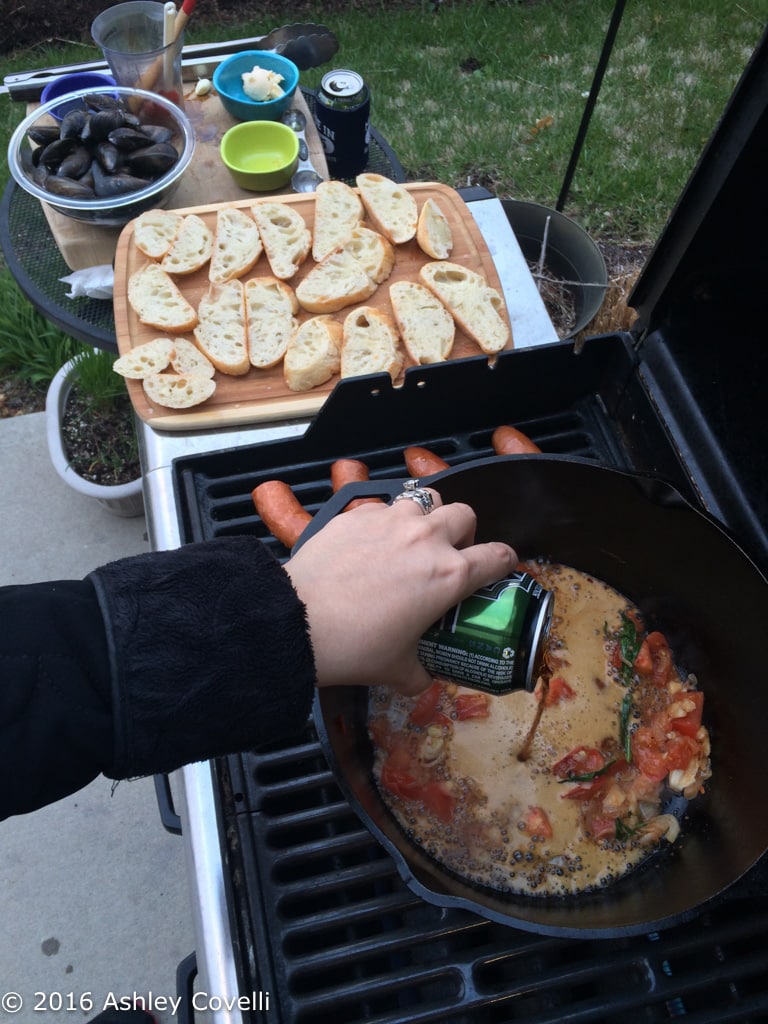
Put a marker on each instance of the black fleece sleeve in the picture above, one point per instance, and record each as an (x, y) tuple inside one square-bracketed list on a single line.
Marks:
[(209, 654)]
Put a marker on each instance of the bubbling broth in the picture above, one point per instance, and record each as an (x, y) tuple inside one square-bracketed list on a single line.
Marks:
[(575, 803)]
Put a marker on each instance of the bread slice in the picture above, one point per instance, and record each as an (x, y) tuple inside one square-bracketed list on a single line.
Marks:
[(349, 275), (370, 344), (426, 327), (338, 211), (313, 353), (270, 313), (433, 231), (187, 359), (236, 245), (178, 391), (155, 230), (191, 248), (151, 357), (286, 238), (157, 301), (221, 332), (390, 207), (476, 307)]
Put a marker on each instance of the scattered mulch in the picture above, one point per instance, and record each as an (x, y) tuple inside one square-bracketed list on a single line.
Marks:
[(18, 397)]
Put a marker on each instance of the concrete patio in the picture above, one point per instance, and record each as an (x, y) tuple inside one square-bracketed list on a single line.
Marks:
[(95, 896)]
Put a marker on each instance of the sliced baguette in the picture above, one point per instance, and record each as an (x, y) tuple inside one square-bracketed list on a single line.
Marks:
[(156, 300), (155, 230), (426, 327), (191, 248), (313, 353), (476, 307), (370, 344), (187, 359), (221, 333), (285, 236), (151, 357), (178, 391), (433, 231), (349, 275), (236, 245), (390, 207), (338, 211), (270, 312)]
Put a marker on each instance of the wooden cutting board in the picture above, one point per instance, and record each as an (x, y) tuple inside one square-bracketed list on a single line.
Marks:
[(263, 395)]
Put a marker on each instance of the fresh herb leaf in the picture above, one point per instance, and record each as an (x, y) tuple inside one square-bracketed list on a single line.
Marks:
[(625, 830), (625, 734), (629, 645), (588, 776)]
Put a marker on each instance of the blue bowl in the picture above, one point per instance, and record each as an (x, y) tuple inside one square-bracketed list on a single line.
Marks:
[(228, 83), (67, 84)]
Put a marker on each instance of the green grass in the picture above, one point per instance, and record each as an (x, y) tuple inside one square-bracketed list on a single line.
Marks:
[(511, 123)]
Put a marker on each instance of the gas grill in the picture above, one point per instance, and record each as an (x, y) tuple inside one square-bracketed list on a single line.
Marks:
[(296, 901)]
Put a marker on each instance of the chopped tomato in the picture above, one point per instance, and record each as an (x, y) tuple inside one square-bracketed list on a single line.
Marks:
[(657, 755), (662, 658), (537, 823), (601, 826), (689, 725), (472, 705), (580, 761), (558, 690), (399, 781), (644, 660), (425, 709)]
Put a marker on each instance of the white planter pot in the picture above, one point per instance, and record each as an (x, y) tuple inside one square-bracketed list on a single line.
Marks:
[(120, 499)]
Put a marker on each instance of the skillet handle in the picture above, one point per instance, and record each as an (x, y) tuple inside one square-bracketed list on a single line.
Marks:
[(384, 489)]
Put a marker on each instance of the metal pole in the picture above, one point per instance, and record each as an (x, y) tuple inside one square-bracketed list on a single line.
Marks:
[(597, 81)]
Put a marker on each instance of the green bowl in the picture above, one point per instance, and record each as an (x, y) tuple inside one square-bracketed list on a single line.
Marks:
[(260, 155)]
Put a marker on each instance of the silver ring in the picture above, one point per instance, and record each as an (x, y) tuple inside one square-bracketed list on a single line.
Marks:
[(412, 492)]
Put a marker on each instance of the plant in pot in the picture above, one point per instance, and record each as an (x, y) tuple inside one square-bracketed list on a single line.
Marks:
[(91, 434)]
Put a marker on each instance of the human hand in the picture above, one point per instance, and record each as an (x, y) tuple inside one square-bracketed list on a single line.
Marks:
[(376, 577)]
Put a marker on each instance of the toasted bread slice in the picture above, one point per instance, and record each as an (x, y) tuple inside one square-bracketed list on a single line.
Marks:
[(178, 391), (349, 275), (476, 307), (270, 312), (191, 248), (151, 357), (390, 207), (338, 211), (155, 230), (156, 300), (285, 236), (426, 327), (433, 231), (313, 353), (221, 332), (236, 245), (188, 360), (370, 344)]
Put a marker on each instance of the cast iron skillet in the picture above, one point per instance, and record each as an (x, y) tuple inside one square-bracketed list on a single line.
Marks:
[(689, 579)]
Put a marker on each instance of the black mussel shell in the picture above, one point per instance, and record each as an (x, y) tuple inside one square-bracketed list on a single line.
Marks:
[(75, 164), (103, 101), (128, 139), (55, 152), (100, 124), (43, 134), (152, 161), (157, 132), (72, 124), (108, 185), (108, 156), (68, 187)]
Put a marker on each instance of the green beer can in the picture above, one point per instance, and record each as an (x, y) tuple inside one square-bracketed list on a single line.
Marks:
[(495, 639)]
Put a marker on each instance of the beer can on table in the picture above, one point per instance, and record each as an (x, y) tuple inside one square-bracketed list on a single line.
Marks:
[(342, 118), (495, 639)]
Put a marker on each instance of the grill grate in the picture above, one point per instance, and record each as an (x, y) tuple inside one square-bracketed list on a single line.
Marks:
[(321, 918)]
